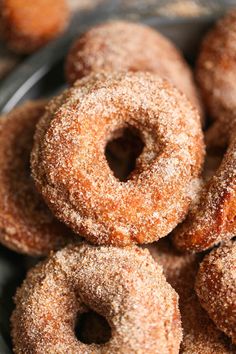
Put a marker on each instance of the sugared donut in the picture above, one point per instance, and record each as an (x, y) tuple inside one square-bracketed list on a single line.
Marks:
[(212, 218), (179, 268), (125, 286), (71, 171), (216, 75), (127, 46), (216, 287), (26, 223), (200, 334), (27, 25)]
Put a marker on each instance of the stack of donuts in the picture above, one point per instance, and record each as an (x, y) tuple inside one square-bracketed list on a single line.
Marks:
[(130, 198)]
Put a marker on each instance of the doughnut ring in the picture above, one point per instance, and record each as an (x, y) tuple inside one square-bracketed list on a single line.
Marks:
[(216, 287), (71, 171), (216, 76), (200, 334), (26, 223), (125, 286), (119, 46), (28, 25), (212, 219)]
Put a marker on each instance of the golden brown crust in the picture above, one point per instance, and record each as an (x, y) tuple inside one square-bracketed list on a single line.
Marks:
[(127, 46), (215, 73), (27, 25), (26, 223), (71, 171), (216, 287), (213, 218), (200, 334), (124, 285)]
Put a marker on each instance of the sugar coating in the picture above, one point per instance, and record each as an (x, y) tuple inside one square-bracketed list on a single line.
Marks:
[(200, 334), (216, 287), (126, 46), (125, 286), (28, 25), (215, 73), (26, 223), (70, 168), (212, 219)]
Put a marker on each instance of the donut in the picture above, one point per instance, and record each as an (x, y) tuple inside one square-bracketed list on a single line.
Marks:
[(216, 75), (124, 286), (28, 25), (26, 223), (216, 287), (212, 219), (71, 171), (179, 268), (126, 46), (200, 334)]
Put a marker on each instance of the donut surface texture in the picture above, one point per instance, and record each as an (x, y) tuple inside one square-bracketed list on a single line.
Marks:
[(27, 25), (212, 219), (216, 75), (71, 171), (216, 287), (126, 46), (123, 285), (200, 334), (26, 223)]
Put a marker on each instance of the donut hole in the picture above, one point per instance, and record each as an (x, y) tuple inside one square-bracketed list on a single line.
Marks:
[(213, 161), (92, 328), (122, 151)]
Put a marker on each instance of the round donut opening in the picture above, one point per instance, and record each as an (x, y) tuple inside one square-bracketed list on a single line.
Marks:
[(213, 160), (92, 328), (122, 151)]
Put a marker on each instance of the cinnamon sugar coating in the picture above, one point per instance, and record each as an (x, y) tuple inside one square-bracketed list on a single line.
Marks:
[(200, 334), (216, 287), (212, 219), (70, 168), (126, 46), (28, 25), (26, 223), (124, 285), (216, 75)]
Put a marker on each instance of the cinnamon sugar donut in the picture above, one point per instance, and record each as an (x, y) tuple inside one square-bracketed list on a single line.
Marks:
[(200, 334), (212, 219), (26, 223), (27, 25), (216, 75), (71, 171), (127, 46), (123, 285), (216, 287)]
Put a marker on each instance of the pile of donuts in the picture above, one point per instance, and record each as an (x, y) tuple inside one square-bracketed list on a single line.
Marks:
[(120, 182)]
